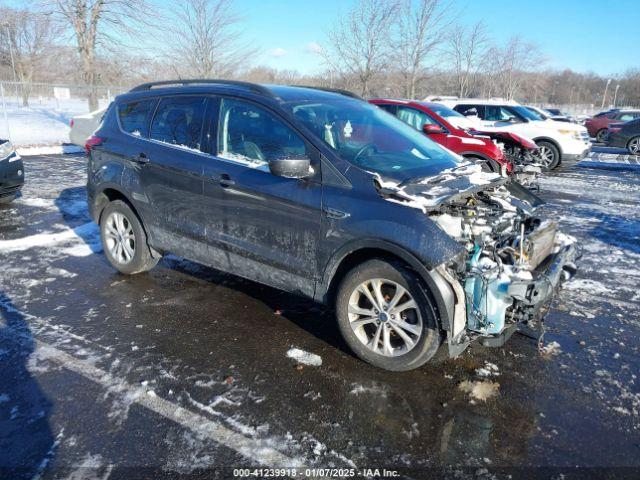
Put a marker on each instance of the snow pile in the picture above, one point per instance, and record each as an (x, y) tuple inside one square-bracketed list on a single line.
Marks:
[(43, 122), (552, 348), (304, 358), (489, 370)]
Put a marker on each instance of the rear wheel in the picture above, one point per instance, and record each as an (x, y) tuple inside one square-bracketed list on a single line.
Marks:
[(548, 154), (386, 316), (601, 135), (634, 146), (124, 240)]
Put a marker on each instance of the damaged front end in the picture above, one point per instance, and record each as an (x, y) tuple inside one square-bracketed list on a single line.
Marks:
[(514, 260), (520, 152)]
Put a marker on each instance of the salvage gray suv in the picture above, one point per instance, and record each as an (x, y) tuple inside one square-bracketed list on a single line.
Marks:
[(323, 195)]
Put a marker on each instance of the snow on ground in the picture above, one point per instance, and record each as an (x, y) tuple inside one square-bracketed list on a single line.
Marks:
[(43, 122), (304, 358)]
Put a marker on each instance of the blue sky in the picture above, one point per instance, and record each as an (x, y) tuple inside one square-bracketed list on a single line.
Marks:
[(584, 35)]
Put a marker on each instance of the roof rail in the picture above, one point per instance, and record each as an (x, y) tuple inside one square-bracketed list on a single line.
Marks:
[(340, 91), (250, 86)]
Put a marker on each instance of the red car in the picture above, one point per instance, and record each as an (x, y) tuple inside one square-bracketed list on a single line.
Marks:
[(436, 121), (598, 125)]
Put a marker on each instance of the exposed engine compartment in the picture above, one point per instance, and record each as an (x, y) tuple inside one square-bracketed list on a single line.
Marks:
[(507, 272), (520, 152)]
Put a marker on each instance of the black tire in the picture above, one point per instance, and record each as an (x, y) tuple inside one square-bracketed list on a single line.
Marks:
[(633, 146), (554, 154), (142, 259), (425, 344), (601, 135), (7, 200)]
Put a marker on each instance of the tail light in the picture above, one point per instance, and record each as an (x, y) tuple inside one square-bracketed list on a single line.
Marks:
[(71, 122), (91, 142)]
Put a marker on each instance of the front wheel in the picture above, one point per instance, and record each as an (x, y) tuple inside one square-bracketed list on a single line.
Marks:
[(124, 240), (548, 154), (634, 146), (386, 316)]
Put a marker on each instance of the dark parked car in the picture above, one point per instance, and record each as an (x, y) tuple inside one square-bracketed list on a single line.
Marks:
[(327, 196), (11, 172), (599, 124), (625, 135)]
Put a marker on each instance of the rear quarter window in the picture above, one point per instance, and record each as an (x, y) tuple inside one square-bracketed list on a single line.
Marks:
[(134, 117)]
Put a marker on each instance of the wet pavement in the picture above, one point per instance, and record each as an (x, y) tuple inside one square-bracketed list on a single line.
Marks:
[(184, 370)]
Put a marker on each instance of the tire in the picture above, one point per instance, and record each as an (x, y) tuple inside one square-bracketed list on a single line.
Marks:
[(119, 225), (634, 146), (419, 322), (548, 154), (601, 135), (7, 200)]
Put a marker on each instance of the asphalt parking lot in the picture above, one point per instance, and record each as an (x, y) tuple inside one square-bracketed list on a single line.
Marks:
[(183, 368)]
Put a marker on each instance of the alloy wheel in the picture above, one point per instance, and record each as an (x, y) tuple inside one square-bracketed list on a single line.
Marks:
[(119, 237), (634, 146), (545, 154), (385, 317)]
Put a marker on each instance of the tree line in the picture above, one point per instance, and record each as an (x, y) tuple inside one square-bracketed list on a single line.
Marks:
[(395, 48)]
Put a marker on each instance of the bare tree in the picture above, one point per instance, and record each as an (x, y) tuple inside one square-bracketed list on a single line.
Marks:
[(205, 41), (420, 29), (466, 47), (100, 24), (25, 37), (510, 63), (359, 44)]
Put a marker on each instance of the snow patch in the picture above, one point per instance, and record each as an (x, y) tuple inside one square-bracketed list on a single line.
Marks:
[(480, 390), (304, 358)]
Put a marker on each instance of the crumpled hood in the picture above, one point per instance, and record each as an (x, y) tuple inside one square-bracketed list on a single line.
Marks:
[(430, 192)]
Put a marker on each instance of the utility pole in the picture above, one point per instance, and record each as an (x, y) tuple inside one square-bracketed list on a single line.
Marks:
[(615, 96), (604, 97)]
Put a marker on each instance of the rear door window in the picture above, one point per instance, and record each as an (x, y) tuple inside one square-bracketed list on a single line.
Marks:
[(179, 120), (134, 117)]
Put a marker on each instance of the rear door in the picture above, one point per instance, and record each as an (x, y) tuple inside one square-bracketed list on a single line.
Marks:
[(271, 224), (171, 172)]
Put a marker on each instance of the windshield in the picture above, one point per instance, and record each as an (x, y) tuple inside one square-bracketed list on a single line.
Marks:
[(526, 113), (373, 140), (444, 112)]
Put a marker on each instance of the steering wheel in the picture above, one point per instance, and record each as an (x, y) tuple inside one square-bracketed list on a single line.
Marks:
[(367, 147)]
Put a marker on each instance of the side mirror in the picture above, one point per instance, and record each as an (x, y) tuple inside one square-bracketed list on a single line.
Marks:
[(291, 167), (431, 129)]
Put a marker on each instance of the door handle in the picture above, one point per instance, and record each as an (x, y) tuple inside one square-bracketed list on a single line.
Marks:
[(225, 180), (335, 214), (142, 158)]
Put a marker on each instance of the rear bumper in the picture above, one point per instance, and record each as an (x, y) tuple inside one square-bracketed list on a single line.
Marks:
[(11, 175)]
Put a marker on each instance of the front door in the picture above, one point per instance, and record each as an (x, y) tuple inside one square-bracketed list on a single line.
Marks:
[(271, 224)]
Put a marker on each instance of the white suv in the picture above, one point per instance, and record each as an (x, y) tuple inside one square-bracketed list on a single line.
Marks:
[(558, 141)]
